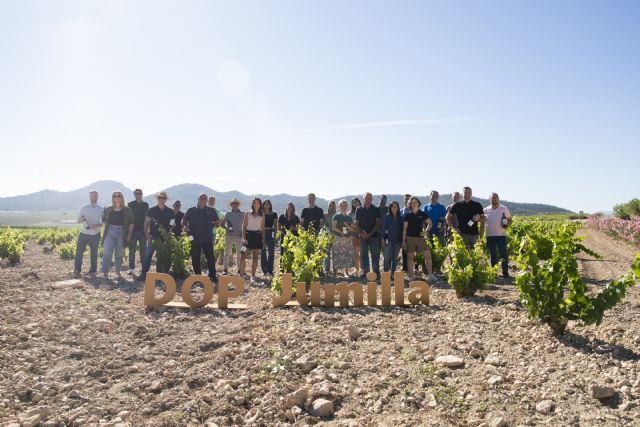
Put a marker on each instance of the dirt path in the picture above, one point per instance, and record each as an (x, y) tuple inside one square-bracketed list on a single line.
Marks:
[(616, 257)]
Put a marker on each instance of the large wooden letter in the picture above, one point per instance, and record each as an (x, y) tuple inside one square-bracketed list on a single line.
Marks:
[(186, 291), (224, 294), (329, 295), (315, 294), (372, 294), (285, 296), (150, 299), (301, 294), (398, 286), (419, 293), (343, 289), (385, 288)]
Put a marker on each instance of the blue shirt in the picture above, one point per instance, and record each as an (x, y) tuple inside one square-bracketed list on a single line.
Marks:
[(404, 211), (437, 213), (392, 228)]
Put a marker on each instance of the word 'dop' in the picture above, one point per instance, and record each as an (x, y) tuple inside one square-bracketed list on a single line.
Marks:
[(224, 293), (418, 294)]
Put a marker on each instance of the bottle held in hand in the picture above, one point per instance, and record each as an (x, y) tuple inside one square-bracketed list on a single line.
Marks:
[(505, 221)]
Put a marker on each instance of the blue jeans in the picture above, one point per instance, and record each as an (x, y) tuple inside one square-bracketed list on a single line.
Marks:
[(391, 252), (138, 236), (93, 242), (499, 244), (112, 241), (370, 245), (327, 260), (267, 253), (148, 256)]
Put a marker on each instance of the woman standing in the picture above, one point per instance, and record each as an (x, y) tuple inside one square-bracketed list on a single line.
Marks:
[(413, 236), (118, 231), (391, 234), (342, 226), (270, 227), (253, 232), (328, 218), (355, 239), (289, 223)]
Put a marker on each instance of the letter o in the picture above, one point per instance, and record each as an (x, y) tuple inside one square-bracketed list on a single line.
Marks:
[(186, 291)]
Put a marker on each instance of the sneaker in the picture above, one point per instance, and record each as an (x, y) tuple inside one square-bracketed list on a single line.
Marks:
[(225, 272), (253, 279), (118, 276), (76, 274), (130, 272), (142, 277), (105, 277)]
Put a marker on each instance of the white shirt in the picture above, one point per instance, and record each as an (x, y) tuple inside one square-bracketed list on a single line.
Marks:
[(92, 216)]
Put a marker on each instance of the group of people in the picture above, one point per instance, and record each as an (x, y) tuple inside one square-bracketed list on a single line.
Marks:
[(360, 232)]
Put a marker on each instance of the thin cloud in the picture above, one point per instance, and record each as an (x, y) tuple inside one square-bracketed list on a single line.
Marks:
[(361, 126)]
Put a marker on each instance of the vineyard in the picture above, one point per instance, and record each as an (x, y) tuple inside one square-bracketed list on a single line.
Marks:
[(560, 346)]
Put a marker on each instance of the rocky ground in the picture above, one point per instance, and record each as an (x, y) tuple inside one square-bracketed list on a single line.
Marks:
[(86, 356)]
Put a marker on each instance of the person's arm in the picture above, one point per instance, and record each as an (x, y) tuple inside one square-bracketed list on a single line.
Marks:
[(334, 227), (245, 221), (429, 224), (262, 229), (450, 220), (185, 222), (276, 223), (404, 234), (321, 222), (147, 226), (302, 219)]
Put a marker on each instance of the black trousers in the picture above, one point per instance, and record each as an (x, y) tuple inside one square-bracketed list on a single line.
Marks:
[(196, 250)]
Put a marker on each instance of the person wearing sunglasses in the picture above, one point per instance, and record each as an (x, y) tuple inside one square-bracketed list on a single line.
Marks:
[(118, 223), (139, 209), (157, 217)]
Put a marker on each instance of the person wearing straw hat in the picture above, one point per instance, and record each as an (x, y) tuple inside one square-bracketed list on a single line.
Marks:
[(157, 218), (232, 221)]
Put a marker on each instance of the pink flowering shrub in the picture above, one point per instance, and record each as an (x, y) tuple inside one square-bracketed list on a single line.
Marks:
[(621, 229)]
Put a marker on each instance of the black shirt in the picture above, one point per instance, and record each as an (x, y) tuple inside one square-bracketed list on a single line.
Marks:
[(139, 210), (201, 223), (270, 219), (416, 223), (465, 212), (177, 229), (286, 224), (367, 217), (159, 218), (116, 217), (312, 217)]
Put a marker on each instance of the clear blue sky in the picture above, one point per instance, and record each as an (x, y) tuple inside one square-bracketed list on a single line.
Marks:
[(537, 100)]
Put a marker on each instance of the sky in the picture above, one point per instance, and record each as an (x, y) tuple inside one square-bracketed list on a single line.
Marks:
[(536, 100)]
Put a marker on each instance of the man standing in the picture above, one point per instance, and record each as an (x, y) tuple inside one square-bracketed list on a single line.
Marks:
[(368, 224), (157, 218), (498, 219), (198, 223), (405, 210), (91, 218), (139, 209), (384, 210), (469, 213), (212, 204), (437, 214), (178, 216), (455, 197), (312, 217), (233, 222)]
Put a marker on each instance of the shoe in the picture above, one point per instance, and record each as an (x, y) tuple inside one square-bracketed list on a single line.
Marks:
[(105, 277), (118, 276), (142, 277), (253, 279), (225, 272), (431, 278), (76, 274), (213, 279), (130, 272)]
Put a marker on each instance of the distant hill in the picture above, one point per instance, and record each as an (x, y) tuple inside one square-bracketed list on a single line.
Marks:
[(71, 201)]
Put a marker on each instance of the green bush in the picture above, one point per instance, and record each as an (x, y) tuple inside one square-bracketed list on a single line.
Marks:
[(12, 244), (172, 254), (627, 210), (303, 257), (469, 271), (552, 289), (67, 250)]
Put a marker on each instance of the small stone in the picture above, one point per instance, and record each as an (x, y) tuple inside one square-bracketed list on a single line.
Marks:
[(450, 361), (495, 379), (156, 387), (321, 408), (498, 422), (104, 325), (431, 400), (343, 365), (297, 398), (545, 407), (476, 352), (493, 360), (31, 421), (397, 347), (306, 363), (354, 333), (68, 284), (599, 391)]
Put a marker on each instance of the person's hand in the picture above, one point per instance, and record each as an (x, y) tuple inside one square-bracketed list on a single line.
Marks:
[(245, 242), (475, 218)]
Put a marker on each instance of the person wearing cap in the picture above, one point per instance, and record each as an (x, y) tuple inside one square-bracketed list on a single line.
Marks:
[(159, 217), (139, 209), (232, 221), (91, 218), (178, 215), (198, 223)]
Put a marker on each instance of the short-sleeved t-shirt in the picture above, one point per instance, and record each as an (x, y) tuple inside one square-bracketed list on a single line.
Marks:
[(494, 220), (366, 218), (270, 219), (341, 220), (139, 209), (286, 223), (201, 223), (465, 212), (234, 219), (437, 213), (416, 223), (159, 218), (312, 217)]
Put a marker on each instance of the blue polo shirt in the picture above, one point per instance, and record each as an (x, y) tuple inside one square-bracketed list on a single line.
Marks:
[(437, 213)]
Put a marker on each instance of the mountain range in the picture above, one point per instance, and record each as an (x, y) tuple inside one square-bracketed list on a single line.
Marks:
[(71, 201)]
